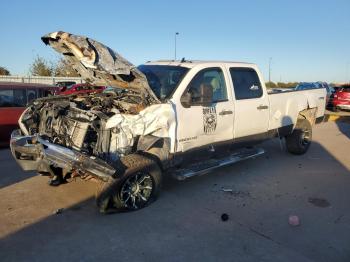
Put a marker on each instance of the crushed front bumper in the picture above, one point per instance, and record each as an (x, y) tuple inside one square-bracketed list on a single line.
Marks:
[(35, 153)]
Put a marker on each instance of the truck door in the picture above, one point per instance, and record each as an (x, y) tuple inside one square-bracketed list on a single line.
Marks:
[(251, 103), (204, 125)]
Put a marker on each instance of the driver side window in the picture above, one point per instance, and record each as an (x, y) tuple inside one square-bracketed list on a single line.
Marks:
[(209, 80)]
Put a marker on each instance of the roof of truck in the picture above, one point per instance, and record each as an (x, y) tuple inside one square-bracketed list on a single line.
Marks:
[(192, 63)]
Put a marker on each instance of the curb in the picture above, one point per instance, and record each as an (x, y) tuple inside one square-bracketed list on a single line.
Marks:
[(336, 118)]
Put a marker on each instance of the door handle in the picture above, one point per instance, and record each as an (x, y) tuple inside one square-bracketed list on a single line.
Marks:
[(225, 112), (321, 98), (261, 107)]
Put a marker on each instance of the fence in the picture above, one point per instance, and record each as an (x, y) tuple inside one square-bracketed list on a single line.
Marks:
[(48, 80)]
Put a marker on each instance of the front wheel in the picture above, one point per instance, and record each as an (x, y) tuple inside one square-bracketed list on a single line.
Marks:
[(298, 142), (135, 189)]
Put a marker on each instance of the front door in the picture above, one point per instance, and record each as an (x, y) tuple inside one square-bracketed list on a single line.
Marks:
[(205, 125)]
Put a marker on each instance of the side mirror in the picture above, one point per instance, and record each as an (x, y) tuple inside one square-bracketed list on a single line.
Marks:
[(186, 99)]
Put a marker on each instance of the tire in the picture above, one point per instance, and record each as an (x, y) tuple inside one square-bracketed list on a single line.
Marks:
[(138, 187), (299, 141)]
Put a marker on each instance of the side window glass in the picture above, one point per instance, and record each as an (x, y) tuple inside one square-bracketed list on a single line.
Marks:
[(19, 98), (246, 83), (31, 94), (212, 80), (6, 98)]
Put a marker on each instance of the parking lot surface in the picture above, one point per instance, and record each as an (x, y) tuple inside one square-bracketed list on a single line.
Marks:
[(41, 223)]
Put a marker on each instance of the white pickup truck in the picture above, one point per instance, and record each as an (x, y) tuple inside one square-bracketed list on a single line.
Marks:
[(182, 118)]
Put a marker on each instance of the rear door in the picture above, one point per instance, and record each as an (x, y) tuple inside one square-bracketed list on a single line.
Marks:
[(252, 104)]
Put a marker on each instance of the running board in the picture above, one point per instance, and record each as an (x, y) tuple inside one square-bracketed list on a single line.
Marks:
[(207, 166)]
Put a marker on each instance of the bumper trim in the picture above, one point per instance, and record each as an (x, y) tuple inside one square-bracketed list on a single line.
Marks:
[(35, 153)]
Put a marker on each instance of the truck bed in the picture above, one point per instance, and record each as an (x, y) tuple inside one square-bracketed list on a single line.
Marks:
[(286, 105)]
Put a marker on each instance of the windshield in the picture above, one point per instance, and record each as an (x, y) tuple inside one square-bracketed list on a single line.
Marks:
[(163, 79)]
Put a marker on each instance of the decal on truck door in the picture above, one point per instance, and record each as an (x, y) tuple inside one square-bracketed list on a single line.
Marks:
[(209, 119)]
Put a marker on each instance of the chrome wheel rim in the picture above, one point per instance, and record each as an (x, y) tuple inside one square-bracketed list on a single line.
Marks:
[(136, 191)]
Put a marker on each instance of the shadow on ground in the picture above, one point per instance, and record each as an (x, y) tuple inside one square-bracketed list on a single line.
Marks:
[(185, 224), (10, 172), (344, 127)]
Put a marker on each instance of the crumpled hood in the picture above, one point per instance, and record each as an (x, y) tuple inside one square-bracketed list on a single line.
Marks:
[(99, 64)]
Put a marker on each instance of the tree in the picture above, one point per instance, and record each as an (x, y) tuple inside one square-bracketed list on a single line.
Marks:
[(4, 71), (41, 67), (287, 85), (63, 68), (270, 85)]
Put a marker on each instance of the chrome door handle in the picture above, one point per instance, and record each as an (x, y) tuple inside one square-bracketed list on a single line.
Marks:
[(261, 107), (225, 112)]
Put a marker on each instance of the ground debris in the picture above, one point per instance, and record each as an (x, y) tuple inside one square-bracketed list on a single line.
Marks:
[(236, 193), (294, 220), (224, 217), (58, 211), (319, 202)]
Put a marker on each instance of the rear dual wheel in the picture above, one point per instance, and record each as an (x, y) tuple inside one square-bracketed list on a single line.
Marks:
[(136, 188)]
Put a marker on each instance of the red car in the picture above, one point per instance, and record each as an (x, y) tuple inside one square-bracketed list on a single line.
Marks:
[(14, 98), (81, 89), (341, 99)]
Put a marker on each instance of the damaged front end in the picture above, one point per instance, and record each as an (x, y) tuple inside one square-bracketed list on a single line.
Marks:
[(88, 134), (35, 153)]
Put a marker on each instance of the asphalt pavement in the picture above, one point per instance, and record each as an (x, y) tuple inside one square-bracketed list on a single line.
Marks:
[(41, 223)]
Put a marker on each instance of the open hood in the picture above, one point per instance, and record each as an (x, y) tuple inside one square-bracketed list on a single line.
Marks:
[(98, 64)]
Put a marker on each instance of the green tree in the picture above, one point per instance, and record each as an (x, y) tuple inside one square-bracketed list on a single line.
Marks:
[(63, 68), (270, 85), (41, 67), (4, 71)]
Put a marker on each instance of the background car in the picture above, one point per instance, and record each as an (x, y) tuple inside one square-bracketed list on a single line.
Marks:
[(330, 93), (341, 100), (63, 85), (314, 85), (81, 89), (13, 99), (306, 86)]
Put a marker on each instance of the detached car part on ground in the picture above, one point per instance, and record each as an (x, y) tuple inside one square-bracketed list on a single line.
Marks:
[(180, 118)]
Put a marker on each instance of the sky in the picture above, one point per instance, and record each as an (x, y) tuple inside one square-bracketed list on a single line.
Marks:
[(307, 40)]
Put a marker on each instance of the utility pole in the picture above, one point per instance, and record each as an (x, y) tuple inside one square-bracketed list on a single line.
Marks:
[(270, 59), (176, 34)]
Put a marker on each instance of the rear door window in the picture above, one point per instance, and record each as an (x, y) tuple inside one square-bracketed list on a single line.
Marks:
[(246, 83)]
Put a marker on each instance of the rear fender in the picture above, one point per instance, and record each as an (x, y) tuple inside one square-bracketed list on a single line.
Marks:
[(308, 114)]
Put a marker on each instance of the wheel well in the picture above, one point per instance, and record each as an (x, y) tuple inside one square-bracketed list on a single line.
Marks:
[(157, 148), (308, 114)]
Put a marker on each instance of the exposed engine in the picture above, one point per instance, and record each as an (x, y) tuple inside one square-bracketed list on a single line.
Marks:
[(79, 122)]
